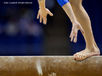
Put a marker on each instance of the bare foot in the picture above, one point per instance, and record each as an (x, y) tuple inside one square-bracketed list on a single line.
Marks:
[(86, 54)]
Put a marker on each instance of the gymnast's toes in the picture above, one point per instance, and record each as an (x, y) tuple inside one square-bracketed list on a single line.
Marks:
[(78, 56)]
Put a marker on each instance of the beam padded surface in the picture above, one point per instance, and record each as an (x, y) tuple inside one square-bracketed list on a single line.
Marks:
[(49, 66)]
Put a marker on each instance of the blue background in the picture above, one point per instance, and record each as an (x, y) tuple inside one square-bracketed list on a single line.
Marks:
[(31, 44)]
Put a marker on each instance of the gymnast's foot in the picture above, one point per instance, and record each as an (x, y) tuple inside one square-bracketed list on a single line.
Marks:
[(84, 54)]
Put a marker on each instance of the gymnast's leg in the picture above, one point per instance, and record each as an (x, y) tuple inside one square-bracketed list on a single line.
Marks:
[(79, 16), (83, 18)]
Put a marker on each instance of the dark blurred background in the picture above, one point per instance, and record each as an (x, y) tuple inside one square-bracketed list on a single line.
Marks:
[(22, 34)]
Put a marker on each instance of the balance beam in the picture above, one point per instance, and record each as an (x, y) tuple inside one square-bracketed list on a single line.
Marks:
[(49, 66)]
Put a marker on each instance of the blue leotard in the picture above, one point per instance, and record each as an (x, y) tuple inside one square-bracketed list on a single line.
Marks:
[(62, 2)]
